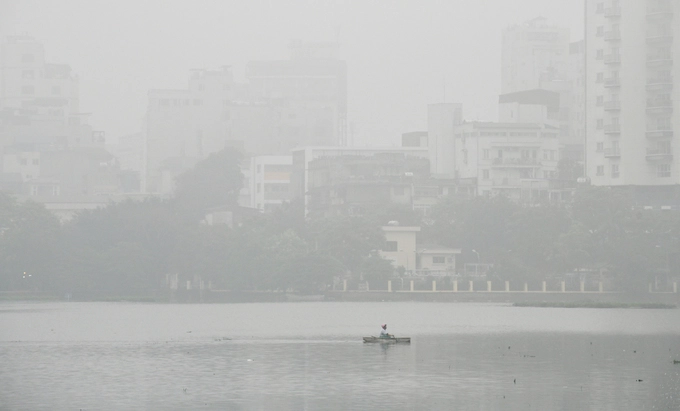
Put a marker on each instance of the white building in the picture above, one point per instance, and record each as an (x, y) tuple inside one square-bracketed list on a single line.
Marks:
[(632, 49), (400, 246), (442, 119), (514, 159), (533, 53), (269, 182), (302, 157)]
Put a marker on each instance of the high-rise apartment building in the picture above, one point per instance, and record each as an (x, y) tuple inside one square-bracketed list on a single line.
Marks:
[(312, 86), (632, 100), (533, 53)]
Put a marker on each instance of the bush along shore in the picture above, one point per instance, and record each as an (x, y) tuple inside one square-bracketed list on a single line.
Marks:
[(593, 304)]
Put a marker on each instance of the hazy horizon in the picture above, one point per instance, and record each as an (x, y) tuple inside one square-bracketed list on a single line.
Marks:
[(400, 55)]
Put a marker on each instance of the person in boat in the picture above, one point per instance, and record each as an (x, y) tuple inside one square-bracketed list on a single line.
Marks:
[(383, 332)]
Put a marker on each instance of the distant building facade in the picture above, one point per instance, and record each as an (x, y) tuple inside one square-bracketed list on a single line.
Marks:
[(632, 72), (270, 181), (442, 119), (533, 53), (513, 159), (47, 147), (285, 104), (347, 179)]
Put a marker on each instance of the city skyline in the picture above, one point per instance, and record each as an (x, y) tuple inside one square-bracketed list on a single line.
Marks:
[(412, 40)]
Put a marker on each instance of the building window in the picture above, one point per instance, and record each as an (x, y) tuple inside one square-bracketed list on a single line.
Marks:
[(600, 101), (27, 58), (600, 147), (600, 8), (663, 170), (600, 77), (600, 31), (486, 154), (198, 102), (27, 90), (600, 124), (164, 102), (27, 74), (35, 162), (485, 174), (615, 171), (56, 90), (391, 246), (398, 191), (201, 87), (600, 170), (438, 259), (599, 54)]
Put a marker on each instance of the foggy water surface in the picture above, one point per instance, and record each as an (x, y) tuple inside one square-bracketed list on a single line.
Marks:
[(310, 356)]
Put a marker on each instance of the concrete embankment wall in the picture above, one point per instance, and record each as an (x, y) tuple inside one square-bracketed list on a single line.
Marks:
[(504, 297)]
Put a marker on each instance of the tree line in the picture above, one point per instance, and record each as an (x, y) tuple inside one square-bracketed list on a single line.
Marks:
[(129, 248)]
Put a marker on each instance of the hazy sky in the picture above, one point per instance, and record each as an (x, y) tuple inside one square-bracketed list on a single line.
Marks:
[(399, 54)]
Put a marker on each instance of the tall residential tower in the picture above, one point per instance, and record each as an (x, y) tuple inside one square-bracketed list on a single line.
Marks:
[(632, 99)]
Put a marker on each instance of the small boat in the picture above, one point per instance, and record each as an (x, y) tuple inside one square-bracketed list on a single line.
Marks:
[(390, 340)]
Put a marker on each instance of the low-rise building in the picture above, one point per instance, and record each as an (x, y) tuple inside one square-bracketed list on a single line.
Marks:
[(347, 179), (269, 181), (400, 246), (518, 160)]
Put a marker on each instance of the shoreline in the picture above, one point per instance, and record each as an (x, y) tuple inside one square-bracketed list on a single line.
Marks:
[(517, 299)]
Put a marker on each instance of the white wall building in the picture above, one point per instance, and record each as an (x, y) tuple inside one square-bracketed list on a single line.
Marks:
[(400, 246), (533, 53), (514, 159), (632, 49), (442, 119), (270, 181)]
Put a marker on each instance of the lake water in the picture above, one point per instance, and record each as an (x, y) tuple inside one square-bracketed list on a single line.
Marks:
[(310, 356)]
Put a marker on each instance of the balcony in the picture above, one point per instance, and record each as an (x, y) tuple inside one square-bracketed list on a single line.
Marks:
[(659, 37), (612, 82), (612, 129), (612, 105), (659, 153), (660, 10), (516, 162), (612, 59), (612, 152), (659, 59), (659, 133), (660, 83), (659, 105), (612, 12), (613, 35)]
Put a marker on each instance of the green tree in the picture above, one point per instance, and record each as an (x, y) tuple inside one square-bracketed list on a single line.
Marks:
[(213, 182), (28, 239), (347, 239)]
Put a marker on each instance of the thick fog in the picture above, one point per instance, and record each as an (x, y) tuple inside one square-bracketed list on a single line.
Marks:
[(401, 55)]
